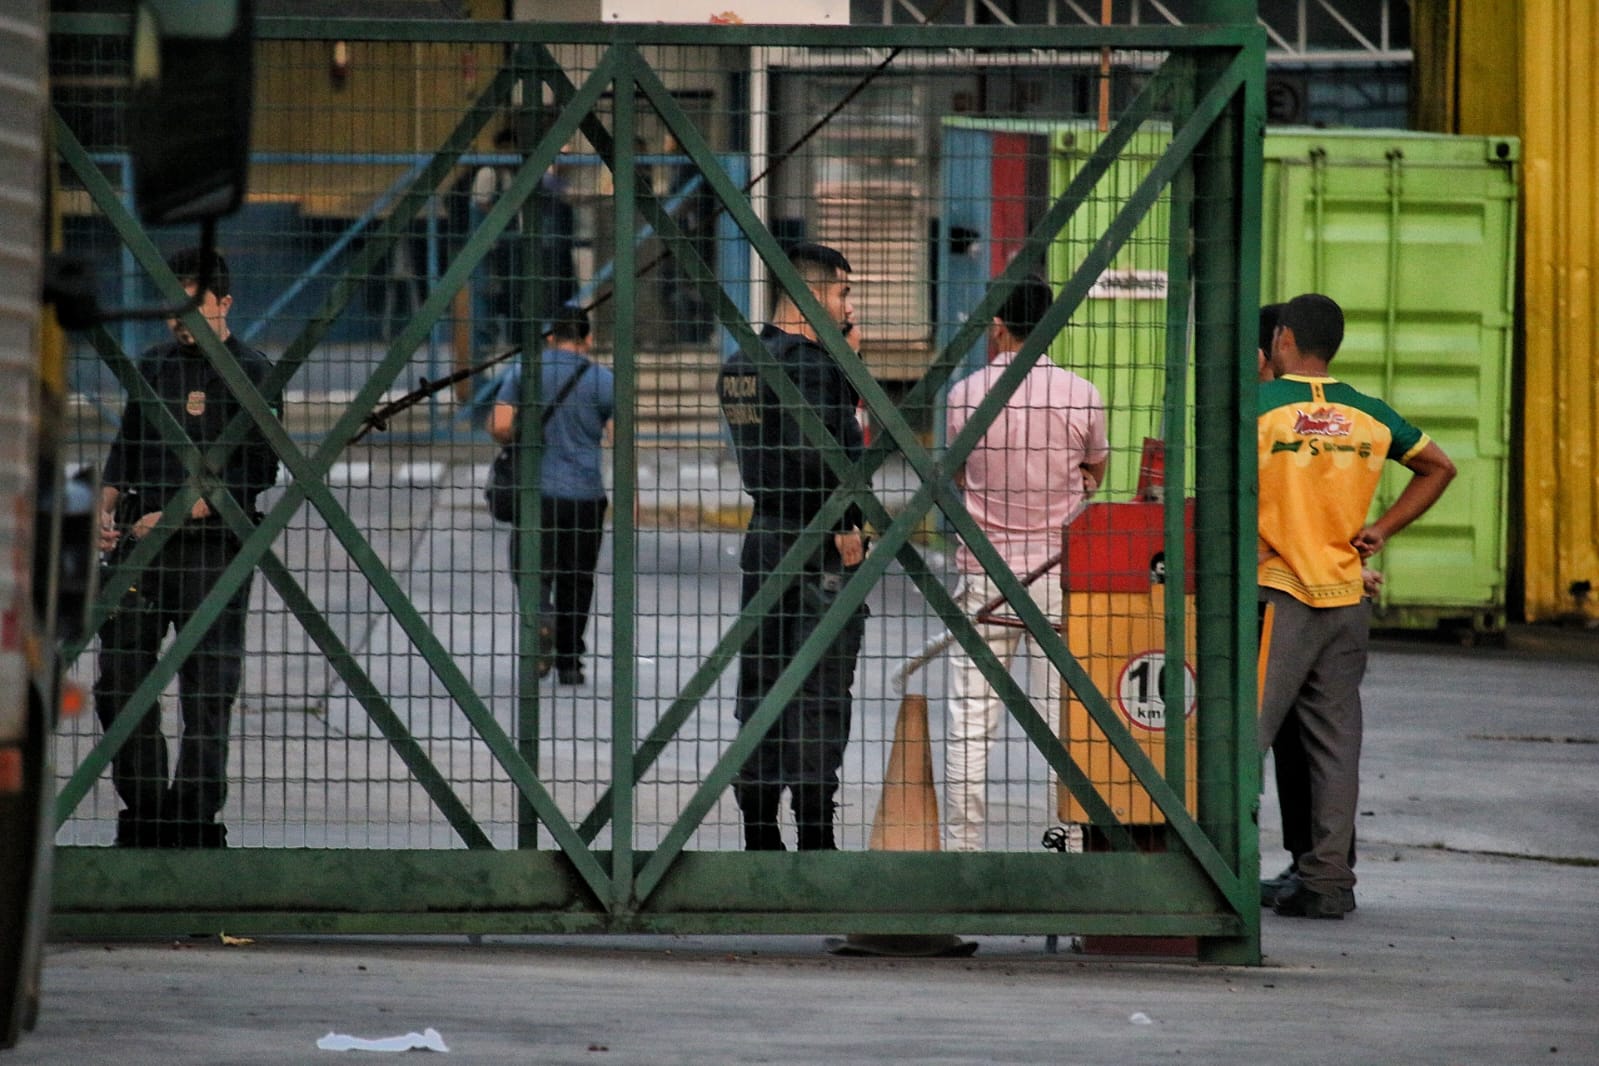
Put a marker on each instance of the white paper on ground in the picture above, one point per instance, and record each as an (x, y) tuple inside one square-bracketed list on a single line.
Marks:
[(426, 1040)]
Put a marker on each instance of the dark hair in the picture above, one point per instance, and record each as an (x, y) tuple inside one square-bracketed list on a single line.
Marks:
[(570, 323), (189, 263), (1270, 316), (819, 255), (1025, 306), (1317, 322)]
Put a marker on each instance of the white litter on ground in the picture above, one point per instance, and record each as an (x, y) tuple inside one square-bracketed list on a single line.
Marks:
[(426, 1040)]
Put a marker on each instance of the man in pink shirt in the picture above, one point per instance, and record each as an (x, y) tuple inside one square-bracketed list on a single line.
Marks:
[(1044, 454)]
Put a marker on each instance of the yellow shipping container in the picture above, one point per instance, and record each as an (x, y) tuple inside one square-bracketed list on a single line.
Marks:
[(1529, 69)]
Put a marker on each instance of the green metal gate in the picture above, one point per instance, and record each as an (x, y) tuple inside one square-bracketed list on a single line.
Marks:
[(395, 762)]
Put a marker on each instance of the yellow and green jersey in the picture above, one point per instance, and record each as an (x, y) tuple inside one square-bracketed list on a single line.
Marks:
[(1322, 444)]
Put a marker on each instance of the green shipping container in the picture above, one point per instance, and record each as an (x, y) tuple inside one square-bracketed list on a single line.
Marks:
[(1117, 337), (1414, 235)]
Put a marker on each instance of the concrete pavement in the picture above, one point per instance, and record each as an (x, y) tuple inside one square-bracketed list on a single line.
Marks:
[(1475, 942)]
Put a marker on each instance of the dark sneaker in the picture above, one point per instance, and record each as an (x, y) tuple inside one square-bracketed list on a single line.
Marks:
[(1271, 888), (135, 832), (1302, 901), (195, 835)]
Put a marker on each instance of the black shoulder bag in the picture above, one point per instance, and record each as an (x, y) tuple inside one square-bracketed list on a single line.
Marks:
[(501, 492)]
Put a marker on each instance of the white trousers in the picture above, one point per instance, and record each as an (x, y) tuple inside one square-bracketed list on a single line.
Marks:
[(975, 710)]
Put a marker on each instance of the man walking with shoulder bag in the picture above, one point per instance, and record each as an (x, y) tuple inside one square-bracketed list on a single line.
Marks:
[(571, 525)]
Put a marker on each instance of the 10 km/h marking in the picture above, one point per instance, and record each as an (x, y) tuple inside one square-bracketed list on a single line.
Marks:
[(1139, 688)]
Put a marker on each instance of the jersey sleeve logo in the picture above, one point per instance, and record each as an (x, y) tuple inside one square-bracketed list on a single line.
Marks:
[(1323, 422)]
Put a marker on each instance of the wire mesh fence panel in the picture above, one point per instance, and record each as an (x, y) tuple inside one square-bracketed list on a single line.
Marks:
[(789, 364)]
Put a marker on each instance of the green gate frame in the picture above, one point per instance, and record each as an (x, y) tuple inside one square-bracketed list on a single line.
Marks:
[(1210, 84)]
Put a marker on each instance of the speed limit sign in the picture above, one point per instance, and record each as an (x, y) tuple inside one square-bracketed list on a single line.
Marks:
[(1139, 688)]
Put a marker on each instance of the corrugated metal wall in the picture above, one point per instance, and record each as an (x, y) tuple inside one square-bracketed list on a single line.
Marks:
[(1560, 438), (1529, 68)]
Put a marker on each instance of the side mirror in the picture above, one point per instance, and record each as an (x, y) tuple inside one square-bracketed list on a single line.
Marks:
[(189, 112), (188, 137)]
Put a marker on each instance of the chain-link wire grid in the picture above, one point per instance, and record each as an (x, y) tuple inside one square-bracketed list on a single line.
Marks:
[(395, 629)]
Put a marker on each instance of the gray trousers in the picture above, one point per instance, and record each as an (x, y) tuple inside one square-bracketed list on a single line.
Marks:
[(1313, 660)]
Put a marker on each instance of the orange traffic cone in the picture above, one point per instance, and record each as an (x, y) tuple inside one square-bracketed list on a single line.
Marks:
[(907, 813), (907, 820)]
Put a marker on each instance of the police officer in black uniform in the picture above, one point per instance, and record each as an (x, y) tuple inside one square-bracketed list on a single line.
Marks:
[(141, 475), (789, 481)]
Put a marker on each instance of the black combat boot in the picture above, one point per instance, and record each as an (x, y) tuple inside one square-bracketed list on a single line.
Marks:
[(759, 803)]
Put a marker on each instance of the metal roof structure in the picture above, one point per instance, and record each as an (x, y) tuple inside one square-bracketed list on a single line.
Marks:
[(1300, 31)]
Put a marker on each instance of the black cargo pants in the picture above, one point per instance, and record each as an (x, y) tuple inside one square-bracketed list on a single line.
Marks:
[(804, 748), (166, 597)]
